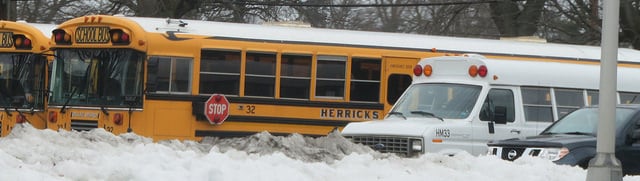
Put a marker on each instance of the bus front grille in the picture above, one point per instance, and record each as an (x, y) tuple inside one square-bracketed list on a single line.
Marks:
[(83, 125), (385, 144)]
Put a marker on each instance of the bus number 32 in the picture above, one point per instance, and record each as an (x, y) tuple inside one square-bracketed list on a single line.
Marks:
[(107, 128), (251, 109)]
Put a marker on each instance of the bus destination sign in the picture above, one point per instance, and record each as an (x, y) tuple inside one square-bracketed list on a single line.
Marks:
[(92, 34), (7, 39)]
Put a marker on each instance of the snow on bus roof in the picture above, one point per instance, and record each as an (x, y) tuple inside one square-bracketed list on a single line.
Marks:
[(46, 29), (382, 39)]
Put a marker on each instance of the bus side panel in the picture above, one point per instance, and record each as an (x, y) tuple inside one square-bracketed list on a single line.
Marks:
[(248, 118), (170, 118)]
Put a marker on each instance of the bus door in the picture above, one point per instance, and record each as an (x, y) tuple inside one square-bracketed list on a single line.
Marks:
[(512, 127), (397, 72)]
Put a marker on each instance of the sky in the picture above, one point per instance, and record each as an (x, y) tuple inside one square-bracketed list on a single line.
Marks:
[(33, 154)]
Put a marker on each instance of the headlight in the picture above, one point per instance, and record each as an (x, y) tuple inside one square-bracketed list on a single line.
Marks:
[(416, 145), (553, 154)]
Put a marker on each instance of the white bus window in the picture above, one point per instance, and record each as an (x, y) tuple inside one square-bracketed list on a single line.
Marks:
[(498, 97), (260, 74), (629, 98), (330, 76), (295, 76), (537, 104), (568, 100), (220, 72), (592, 97), (365, 79)]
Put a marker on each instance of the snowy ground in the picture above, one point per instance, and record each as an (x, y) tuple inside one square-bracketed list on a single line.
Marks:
[(30, 154)]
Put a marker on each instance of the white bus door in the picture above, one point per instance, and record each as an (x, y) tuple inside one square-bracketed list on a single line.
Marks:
[(499, 104)]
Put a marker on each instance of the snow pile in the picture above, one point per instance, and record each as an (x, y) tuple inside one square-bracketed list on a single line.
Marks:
[(31, 154)]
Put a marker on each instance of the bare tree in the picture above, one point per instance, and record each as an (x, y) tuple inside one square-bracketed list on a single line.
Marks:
[(517, 18), (392, 18), (57, 11), (575, 21), (630, 22), (564, 21), (159, 8), (466, 20), (240, 11)]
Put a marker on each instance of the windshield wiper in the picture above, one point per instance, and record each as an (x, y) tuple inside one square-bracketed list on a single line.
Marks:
[(397, 113), (6, 110), (424, 113), (66, 102), (104, 110), (579, 133)]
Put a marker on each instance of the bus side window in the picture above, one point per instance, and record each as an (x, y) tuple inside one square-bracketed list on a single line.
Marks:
[(173, 75), (164, 73), (498, 97), (537, 104), (260, 76), (295, 76), (181, 69), (592, 97), (365, 79), (330, 76), (220, 72), (629, 98), (568, 100), (152, 74)]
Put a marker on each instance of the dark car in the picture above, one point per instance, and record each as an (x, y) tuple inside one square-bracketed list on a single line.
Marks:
[(572, 140)]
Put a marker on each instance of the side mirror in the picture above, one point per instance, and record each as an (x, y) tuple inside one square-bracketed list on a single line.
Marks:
[(500, 115)]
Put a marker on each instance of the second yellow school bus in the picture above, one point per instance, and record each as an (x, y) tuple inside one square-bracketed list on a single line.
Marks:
[(23, 69), (153, 76)]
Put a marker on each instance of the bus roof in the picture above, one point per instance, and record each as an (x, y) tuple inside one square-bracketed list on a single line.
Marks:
[(289, 34), (526, 73)]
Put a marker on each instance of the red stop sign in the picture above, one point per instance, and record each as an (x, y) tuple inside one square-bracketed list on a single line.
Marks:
[(216, 109)]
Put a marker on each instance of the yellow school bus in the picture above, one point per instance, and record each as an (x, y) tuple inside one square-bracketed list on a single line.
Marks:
[(155, 76), (23, 69)]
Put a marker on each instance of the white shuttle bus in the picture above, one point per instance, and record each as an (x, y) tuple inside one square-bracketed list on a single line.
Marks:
[(459, 103)]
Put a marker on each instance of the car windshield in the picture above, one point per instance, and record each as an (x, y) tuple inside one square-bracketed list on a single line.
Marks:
[(22, 80), (96, 77), (438, 100), (585, 122)]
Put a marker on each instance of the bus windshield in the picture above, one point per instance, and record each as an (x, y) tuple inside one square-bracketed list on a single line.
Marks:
[(21, 80), (97, 77), (439, 100)]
